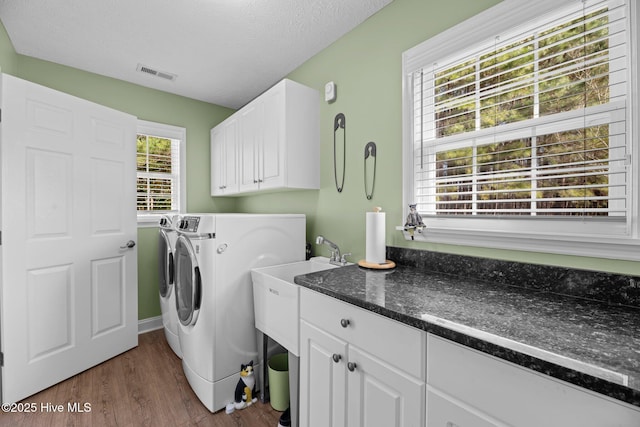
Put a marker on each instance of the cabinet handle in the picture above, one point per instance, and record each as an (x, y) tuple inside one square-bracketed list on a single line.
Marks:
[(344, 322), (336, 357), (255, 181), (351, 366)]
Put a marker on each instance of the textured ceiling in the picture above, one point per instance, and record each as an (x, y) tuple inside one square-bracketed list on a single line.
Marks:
[(223, 51)]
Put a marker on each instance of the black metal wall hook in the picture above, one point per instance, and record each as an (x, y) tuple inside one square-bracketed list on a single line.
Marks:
[(339, 122), (370, 151)]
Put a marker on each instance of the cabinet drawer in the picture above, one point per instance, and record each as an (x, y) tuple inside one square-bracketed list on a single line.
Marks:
[(516, 395), (445, 412), (397, 344)]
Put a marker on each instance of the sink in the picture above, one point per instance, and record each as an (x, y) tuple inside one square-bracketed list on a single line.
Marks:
[(276, 299)]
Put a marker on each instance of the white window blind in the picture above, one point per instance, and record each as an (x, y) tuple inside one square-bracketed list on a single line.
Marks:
[(517, 129), (531, 123), (159, 169)]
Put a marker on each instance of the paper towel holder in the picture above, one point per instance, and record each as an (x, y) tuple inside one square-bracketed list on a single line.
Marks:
[(387, 265)]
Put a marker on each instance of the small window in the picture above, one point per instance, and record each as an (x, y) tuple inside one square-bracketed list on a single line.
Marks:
[(160, 170), (527, 133)]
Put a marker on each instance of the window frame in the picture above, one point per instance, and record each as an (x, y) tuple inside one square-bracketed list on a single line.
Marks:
[(170, 132), (508, 233)]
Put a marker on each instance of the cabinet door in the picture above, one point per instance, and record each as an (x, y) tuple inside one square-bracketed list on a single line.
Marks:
[(224, 140), (250, 138), (380, 395), (271, 163), (515, 395), (323, 396), (217, 162), (230, 157)]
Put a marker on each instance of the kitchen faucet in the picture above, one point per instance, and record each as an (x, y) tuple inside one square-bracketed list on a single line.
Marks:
[(335, 258)]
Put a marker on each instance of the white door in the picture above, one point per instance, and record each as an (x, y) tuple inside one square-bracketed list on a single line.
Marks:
[(69, 292)]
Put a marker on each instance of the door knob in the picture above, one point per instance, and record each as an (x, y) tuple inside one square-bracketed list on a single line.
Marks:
[(336, 357), (128, 245), (351, 366)]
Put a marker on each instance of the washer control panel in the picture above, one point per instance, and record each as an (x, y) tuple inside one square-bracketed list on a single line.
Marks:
[(189, 224)]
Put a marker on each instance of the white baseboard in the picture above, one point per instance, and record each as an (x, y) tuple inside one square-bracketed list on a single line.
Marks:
[(149, 324)]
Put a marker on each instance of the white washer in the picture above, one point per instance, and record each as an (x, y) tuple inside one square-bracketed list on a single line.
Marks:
[(167, 236), (214, 294)]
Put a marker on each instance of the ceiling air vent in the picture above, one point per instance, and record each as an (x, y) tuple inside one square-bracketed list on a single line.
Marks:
[(161, 74)]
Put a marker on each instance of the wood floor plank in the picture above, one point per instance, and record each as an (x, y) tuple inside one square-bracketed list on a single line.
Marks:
[(142, 387)]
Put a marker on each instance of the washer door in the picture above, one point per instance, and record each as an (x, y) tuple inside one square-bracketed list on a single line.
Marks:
[(165, 263), (188, 283)]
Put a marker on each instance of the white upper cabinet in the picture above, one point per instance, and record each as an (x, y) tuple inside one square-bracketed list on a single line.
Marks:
[(224, 158), (278, 142)]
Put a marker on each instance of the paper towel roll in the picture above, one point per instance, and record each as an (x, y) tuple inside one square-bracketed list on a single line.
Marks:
[(375, 238)]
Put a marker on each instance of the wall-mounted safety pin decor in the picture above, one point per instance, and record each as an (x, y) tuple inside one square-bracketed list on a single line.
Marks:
[(339, 123), (370, 161)]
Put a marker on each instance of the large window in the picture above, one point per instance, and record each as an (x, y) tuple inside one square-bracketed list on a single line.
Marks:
[(160, 170), (526, 134)]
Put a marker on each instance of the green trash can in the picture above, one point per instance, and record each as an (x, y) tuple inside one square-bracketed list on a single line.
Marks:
[(279, 381)]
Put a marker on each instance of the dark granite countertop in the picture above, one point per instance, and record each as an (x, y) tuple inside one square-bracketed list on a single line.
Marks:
[(592, 344)]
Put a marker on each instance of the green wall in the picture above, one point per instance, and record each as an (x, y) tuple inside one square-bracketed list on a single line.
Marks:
[(366, 66), (148, 104), (8, 57)]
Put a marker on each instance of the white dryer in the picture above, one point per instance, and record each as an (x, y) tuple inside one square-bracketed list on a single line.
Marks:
[(167, 237), (214, 294)]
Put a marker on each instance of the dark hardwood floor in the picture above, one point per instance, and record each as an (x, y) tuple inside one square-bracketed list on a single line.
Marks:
[(142, 387)]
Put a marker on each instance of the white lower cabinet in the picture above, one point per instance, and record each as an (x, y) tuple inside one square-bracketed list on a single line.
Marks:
[(468, 388), (358, 368), (361, 369)]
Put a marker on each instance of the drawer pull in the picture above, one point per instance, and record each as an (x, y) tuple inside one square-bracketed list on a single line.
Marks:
[(344, 322), (336, 357), (351, 366)]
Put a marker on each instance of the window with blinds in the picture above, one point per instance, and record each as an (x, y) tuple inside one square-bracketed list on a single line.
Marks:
[(158, 170), (532, 123), (517, 129)]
